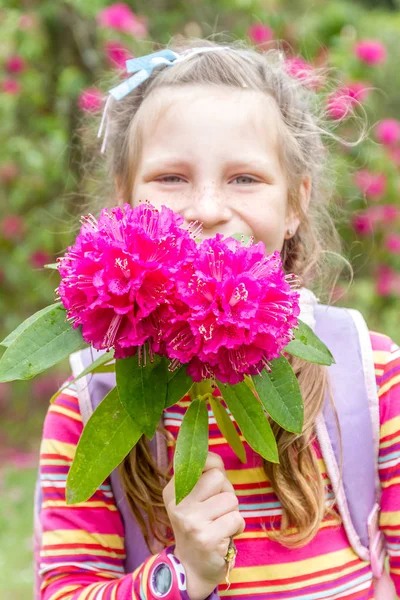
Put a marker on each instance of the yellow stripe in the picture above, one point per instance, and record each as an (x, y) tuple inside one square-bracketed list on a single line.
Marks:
[(80, 536), (390, 482), (146, 570), (390, 442), (54, 461), (381, 356), (312, 580), (66, 412), (390, 518), (254, 491), (388, 385), (288, 570), (264, 534), (390, 427), (254, 475), (87, 504), (68, 588), (49, 446), (74, 551), (221, 440)]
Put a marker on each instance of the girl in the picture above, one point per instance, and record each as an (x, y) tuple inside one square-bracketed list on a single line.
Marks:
[(224, 136)]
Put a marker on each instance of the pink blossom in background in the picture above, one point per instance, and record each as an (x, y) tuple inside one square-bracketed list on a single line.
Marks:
[(341, 102), (12, 227), (117, 54), (392, 243), (5, 394), (387, 132), (121, 18), (11, 86), (388, 212), (299, 68), (44, 387), (27, 21), (15, 64), (394, 154), (8, 172), (363, 223), (371, 52), (386, 280), (90, 100), (39, 258), (260, 33), (372, 185)]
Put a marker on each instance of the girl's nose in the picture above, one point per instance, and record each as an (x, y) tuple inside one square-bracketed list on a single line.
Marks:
[(211, 209)]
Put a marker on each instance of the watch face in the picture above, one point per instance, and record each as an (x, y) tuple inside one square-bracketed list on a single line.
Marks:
[(161, 580)]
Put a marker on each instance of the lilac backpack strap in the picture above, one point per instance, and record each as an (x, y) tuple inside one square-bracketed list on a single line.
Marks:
[(91, 391), (353, 385)]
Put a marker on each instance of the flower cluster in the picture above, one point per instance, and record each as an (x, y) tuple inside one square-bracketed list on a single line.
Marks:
[(137, 277)]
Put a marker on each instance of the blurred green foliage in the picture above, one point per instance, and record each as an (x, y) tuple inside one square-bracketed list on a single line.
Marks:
[(62, 50)]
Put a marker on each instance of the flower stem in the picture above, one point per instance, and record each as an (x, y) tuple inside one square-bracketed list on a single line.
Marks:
[(201, 390)]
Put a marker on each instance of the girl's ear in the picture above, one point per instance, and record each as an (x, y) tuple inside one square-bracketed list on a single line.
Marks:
[(292, 219)]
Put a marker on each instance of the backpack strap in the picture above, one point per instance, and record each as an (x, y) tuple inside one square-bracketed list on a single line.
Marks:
[(352, 381)]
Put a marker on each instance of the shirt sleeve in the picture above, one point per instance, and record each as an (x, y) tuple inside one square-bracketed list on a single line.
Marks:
[(82, 549), (387, 365)]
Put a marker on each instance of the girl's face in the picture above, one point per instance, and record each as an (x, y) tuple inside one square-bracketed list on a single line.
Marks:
[(212, 156)]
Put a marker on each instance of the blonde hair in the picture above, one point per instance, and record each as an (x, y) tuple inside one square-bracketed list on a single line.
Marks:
[(296, 479)]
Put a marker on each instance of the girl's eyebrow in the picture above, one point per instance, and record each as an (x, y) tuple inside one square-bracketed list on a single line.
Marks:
[(243, 163)]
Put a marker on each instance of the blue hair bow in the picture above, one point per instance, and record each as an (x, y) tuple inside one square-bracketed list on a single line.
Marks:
[(142, 68)]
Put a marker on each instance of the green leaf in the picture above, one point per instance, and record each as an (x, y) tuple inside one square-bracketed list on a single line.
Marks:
[(228, 429), (179, 383), (97, 366), (251, 419), (108, 436), (25, 324), (191, 449), (280, 394), (309, 347), (143, 390), (44, 342)]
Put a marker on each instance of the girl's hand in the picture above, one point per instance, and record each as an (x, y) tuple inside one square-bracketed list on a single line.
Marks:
[(203, 523)]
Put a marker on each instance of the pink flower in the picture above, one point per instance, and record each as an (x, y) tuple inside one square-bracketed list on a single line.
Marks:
[(15, 64), (11, 86), (372, 185), (392, 243), (27, 21), (371, 52), (260, 33), (121, 18), (299, 68), (12, 227), (119, 272), (387, 280), (39, 258), (341, 102), (363, 223), (8, 172), (387, 132), (90, 100), (389, 213), (117, 54), (241, 311)]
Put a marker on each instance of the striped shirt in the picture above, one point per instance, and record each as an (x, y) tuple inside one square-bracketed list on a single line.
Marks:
[(82, 554)]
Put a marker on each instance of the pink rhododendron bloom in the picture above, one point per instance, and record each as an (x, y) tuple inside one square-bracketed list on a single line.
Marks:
[(392, 243), (341, 102), (117, 54), (90, 100), (27, 21), (387, 132), (260, 33), (240, 311), (371, 52), (372, 185), (363, 223), (299, 68), (119, 271), (11, 86), (8, 172), (389, 213), (39, 258), (15, 64), (12, 227), (387, 281), (121, 18)]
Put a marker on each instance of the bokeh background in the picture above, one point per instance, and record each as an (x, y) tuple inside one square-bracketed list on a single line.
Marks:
[(54, 56)]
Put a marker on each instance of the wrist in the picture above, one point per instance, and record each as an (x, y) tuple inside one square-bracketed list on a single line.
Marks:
[(197, 588)]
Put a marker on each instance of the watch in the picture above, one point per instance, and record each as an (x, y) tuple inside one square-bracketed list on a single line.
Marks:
[(167, 577)]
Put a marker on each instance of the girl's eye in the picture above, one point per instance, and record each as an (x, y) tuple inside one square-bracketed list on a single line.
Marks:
[(251, 179), (169, 177)]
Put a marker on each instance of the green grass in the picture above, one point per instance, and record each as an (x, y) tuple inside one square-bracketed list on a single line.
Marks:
[(16, 527)]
